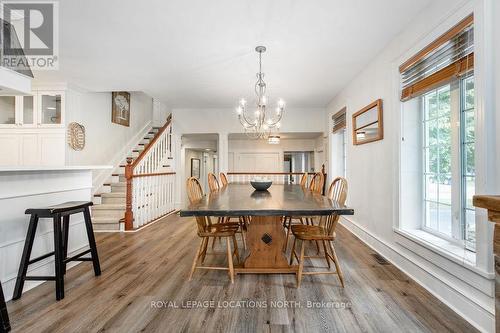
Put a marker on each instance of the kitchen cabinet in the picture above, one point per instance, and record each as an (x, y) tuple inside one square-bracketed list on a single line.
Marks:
[(42, 109)]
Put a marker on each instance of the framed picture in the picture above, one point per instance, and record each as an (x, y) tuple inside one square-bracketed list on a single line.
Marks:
[(120, 111), (367, 124), (195, 168)]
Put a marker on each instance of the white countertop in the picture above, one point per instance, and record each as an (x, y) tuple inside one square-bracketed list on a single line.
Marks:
[(53, 168)]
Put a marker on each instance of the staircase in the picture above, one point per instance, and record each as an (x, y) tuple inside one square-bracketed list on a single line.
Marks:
[(110, 204)]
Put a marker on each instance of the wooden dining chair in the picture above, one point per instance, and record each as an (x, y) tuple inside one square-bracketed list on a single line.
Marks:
[(317, 182), (324, 232), (207, 230), (213, 183), (214, 186), (303, 179), (223, 178), (316, 185)]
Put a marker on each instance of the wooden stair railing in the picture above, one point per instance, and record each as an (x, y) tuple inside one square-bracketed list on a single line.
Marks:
[(149, 192)]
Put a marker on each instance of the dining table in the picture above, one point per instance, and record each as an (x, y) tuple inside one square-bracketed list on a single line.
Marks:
[(265, 236)]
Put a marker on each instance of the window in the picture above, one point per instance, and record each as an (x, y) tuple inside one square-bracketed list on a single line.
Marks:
[(339, 143), (438, 142), (344, 152), (448, 157)]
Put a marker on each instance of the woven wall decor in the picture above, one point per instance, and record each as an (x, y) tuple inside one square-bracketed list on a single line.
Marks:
[(76, 136)]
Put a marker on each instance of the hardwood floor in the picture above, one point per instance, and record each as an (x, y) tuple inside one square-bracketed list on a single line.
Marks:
[(153, 265)]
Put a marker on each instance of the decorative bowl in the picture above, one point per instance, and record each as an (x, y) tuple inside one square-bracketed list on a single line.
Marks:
[(261, 184)]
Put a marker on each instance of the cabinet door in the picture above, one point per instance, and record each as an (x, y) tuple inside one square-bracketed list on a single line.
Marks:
[(26, 110), (10, 148), (29, 149), (50, 109), (51, 149), (8, 111)]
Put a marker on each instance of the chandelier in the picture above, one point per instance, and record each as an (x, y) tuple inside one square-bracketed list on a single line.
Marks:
[(258, 122)]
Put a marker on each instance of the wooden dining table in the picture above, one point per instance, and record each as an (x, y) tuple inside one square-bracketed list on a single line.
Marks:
[(266, 234)]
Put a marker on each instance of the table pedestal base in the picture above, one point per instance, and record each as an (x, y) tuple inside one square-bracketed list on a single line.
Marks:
[(265, 240)]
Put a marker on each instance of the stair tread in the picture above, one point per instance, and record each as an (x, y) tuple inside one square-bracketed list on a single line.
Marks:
[(109, 207), (115, 184), (105, 220), (113, 195)]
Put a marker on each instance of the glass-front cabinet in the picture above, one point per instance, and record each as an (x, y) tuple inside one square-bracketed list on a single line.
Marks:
[(8, 114), (51, 105), (42, 109)]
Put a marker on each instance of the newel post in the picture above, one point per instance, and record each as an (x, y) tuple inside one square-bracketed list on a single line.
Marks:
[(129, 215), (324, 177)]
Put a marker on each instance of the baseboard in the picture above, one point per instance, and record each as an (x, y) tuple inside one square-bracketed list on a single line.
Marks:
[(142, 227), (102, 176), (476, 314)]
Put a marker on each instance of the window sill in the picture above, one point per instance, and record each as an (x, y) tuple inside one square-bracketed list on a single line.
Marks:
[(444, 248)]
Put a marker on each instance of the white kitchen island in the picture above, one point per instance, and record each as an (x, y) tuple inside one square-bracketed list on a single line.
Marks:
[(31, 187)]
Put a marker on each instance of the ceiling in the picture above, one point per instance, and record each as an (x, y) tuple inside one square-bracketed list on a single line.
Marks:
[(198, 53)]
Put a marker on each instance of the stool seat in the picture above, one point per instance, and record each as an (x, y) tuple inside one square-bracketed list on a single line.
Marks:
[(67, 207), (60, 215)]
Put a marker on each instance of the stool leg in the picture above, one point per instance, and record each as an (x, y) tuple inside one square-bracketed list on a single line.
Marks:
[(93, 246), (4, 316), (59, 253), (65, 232), (23, 267)]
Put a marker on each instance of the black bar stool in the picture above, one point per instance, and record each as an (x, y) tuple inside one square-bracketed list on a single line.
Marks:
[(60, 244), (4, 316)]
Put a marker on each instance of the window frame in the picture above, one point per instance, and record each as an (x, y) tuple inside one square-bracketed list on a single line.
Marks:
[(458, 205), (463, 158), (344, 152)]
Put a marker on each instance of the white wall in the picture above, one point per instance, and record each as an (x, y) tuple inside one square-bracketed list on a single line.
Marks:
[(493, 9), (160, 113), (106, 143), (103, 139), (373, 169)]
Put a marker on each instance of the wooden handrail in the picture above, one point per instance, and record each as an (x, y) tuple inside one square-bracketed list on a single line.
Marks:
[(153, 174), (155, 138), (266, 173)]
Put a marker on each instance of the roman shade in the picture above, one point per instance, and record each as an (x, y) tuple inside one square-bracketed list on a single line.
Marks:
[(448, 57), (339, 120)]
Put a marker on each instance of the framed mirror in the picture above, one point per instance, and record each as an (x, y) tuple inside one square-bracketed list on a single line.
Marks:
[(367, 124)]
